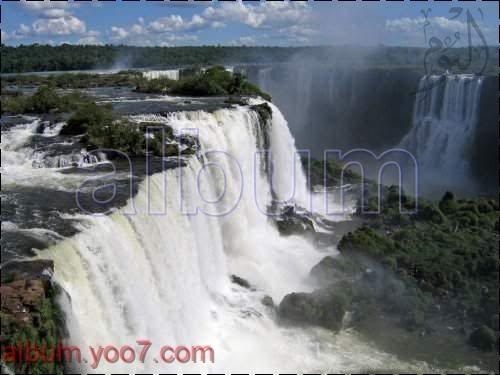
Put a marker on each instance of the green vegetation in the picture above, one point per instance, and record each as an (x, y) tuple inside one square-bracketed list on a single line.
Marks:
[(97, 123), (88, 116), (44, 100), (102, 130), (32, 58), (74, 80), (446, 254), (36, 57), (215, 81), (333, 173)]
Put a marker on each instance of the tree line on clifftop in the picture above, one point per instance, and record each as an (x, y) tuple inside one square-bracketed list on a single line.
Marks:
[(39, 57)]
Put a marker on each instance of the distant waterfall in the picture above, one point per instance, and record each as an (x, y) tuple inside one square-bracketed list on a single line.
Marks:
[(444, 121), (172, 74)]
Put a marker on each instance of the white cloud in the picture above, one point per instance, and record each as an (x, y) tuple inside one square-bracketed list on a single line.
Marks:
[(54, 18), (118, 33), (5, 36), (175, 23), (217, 25), (298, 34), (416, 25), (23, 29), (140, 36), (66, 25), (405, 24), (414, 31), (266, 14), (244, 41), (55, 13), (22, 32), (47, 4), (163, 40), (291, 17), (137, 29), (449, 25), (91, 40)]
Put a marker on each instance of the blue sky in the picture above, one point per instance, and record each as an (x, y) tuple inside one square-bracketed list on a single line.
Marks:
[(241, 23)]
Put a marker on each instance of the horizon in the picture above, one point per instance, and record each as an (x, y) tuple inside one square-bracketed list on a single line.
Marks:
[(225, 46)]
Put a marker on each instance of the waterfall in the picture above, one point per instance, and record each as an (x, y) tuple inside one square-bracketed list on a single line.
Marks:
[(23, 165), (165, 276), (444, 121), (159, 268), (172, 74)]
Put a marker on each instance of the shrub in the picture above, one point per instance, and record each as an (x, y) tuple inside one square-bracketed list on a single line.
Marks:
[(44, 100), (88, 116)]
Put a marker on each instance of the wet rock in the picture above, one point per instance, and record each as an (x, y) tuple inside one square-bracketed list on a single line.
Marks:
[(268, 302), (292, 222), (325, 269), (331, 269), (240, 281), (323, 308), (264, 111), (42, 126)]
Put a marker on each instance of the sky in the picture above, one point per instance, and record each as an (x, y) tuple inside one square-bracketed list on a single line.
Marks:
[(268, 23)]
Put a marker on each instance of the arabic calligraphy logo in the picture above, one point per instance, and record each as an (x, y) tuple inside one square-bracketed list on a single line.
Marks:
[(464, 51)]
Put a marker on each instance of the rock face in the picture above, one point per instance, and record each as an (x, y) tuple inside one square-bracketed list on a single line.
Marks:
[(19, 300), (29, 315), (321, 308), (325, 270), (241, 282), (268, 302), (291, 223)]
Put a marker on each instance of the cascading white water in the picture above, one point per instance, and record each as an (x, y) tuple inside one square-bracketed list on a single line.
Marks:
[(142, 273), (444, 121), (172, 74), (23, 165)]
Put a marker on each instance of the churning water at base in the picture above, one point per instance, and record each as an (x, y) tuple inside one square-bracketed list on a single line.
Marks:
[(444, 121)]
